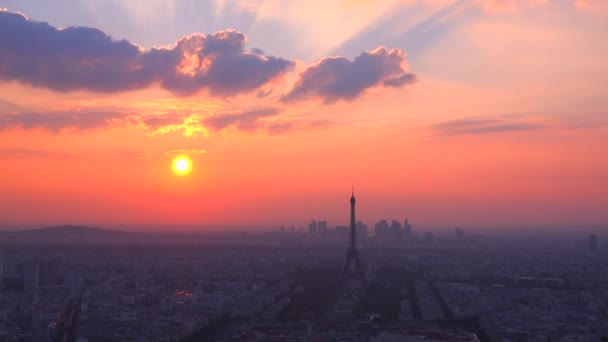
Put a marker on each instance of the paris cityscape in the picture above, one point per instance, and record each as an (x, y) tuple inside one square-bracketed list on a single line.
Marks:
[(318, 284)]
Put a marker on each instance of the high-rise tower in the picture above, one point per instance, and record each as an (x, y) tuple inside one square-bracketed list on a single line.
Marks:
[(353, 276)]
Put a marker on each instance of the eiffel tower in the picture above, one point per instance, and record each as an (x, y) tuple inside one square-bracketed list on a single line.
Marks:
[(353, 277)]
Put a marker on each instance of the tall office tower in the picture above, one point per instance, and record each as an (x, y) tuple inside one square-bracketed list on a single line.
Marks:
[(361, 231), (381, 229), (312, 227), (592, 243), (407, 230), (322, 227), (395, 231), (353, 275), (459, 234)]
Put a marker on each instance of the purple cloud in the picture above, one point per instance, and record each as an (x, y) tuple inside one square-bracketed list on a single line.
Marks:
[(481, 126), (24, 153), (247, 121), (155, 122), (81, 58), (57, 121), (338, 78)]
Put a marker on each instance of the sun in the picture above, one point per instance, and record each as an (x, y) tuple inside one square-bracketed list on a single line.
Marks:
[(182, 165)]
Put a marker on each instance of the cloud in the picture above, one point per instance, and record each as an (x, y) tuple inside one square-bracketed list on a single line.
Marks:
[(281, 127), (188, 123), (155, 122), (338, 78), (592, 6), (184, 151), (247, 121), (24, 153), (478, 126), (81, 58), (57, 121), (9, 107), (508, 6)]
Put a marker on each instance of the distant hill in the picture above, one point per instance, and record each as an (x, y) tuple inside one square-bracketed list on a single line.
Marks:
[(69, 230), (68, 233)]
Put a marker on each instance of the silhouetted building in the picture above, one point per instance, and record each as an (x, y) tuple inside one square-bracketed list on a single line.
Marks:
[(458, 234), (396, 233), (407, 230), (592, 243), (381, 230), (428, 237), (312, 227), (322, 227)]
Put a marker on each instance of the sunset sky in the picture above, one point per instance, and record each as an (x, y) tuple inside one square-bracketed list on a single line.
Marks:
[(450, 112)]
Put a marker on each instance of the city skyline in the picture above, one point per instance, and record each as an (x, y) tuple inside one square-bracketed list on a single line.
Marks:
[(452, 113)]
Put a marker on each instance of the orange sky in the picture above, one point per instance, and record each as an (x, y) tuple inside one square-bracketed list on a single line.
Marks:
[(486, 113)]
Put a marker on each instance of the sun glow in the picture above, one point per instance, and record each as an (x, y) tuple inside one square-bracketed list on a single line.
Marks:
[(182, 165)]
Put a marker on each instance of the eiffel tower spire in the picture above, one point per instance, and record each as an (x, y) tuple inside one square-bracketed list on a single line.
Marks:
[(353, 271)]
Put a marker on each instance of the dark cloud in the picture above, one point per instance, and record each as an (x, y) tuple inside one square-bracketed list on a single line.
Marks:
[(80, 58), (155, 122), (338, 78), (482, 126), (247, 121), (400, 81), (57, 121), (9, 107), (24, 153), (280, 127), (263, 93)]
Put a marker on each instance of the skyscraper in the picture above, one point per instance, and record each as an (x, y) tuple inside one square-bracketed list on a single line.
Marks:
[(312, 227), (395, 231), (381, 230), (322, 227), (407, 230)]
